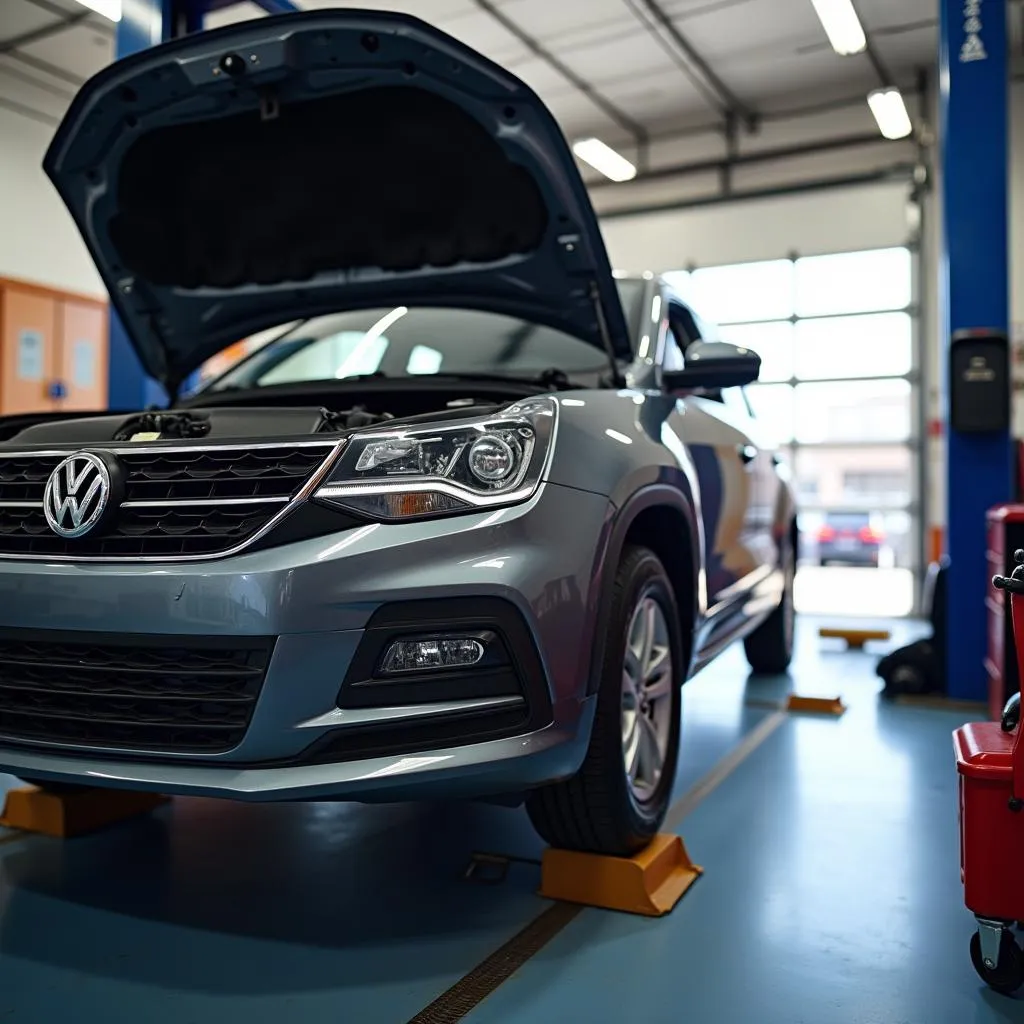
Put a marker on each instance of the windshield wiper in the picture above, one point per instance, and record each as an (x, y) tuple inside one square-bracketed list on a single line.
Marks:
[(553, 379)]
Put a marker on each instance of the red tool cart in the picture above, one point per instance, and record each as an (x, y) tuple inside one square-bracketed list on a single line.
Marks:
[(990, 761)]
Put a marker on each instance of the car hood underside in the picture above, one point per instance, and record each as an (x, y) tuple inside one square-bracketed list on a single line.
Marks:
[(297, 165)]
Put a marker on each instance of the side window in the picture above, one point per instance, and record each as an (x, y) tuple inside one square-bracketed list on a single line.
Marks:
[(674, 359)]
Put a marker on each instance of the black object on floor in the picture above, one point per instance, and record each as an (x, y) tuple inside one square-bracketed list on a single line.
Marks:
[(920, 667)]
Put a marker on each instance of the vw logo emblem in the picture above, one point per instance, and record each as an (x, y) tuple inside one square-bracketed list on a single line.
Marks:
[(77, 494)]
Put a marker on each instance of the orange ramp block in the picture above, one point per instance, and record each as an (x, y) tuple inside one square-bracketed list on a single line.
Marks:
[(650, 883), (855, 638), (65, 813), (815, 705)]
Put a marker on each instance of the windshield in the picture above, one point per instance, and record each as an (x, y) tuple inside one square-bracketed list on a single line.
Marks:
[(406, 342)]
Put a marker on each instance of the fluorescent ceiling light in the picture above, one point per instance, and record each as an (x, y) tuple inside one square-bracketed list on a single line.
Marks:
[(604, 159), (890, 112), (108, 8), (841, 25)]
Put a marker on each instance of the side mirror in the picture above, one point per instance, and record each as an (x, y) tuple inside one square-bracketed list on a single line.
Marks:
[(714, 364)]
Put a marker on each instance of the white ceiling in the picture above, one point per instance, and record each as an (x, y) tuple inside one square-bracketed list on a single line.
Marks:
[(770, 55)]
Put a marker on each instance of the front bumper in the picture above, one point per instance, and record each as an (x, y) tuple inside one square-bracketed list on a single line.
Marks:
[(314, 601)]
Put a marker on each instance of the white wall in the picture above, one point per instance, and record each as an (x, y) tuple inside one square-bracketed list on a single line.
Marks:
[(38, 240), (856, 217)]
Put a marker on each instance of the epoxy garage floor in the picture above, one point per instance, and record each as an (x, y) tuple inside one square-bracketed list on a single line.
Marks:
[(831, 893)]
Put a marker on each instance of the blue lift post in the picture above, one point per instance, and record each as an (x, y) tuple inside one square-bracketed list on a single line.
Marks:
[(146, 23), (974, 130)]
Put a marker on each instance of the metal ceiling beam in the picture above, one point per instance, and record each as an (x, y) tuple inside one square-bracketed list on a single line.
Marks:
[(789, 114), (903, 28), (746, 159), (605, 105), (881, 69), (46, 67), (692, 62), (871, 52), (893, 172), (67, 95), (30, 112), (96, 22), (36, 35)]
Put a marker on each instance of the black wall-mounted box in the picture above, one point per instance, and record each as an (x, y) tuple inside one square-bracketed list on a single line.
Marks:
[(979, 382)]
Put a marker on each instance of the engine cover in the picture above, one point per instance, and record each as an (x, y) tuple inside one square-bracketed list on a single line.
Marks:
[(216, 424)]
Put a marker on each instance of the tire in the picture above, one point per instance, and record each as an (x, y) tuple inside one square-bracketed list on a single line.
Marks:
[(769, 648), (601, 809)]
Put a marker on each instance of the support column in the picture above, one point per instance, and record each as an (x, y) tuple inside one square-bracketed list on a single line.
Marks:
[(974, 289)]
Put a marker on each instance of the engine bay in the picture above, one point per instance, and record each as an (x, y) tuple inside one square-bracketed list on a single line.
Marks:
[(228, 422)]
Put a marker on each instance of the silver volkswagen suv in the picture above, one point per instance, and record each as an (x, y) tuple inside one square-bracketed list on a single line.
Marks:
[(462, 521)]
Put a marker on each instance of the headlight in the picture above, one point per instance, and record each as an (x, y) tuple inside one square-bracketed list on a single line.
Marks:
[(446, 468)]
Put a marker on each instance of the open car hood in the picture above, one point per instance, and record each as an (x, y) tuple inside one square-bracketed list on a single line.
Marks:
[(303, 164)]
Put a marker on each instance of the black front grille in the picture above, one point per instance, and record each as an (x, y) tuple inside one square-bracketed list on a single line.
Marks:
[(220, 474), (150, 693), (23, 479), (151, 532), (178, 500)]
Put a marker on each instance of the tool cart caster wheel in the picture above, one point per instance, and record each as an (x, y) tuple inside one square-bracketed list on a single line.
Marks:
[(1007, 975)]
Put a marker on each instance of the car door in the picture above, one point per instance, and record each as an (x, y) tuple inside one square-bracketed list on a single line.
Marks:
[(727, 462), (765, 462)]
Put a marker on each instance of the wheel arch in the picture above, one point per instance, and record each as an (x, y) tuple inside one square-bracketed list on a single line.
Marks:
[(660, 518)]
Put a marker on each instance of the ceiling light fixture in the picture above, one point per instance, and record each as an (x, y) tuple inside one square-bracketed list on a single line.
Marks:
[(604, 159), (108, 8), (841, 25), (890, 113)]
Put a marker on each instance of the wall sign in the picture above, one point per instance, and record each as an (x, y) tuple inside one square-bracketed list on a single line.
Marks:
[(83, 364), (30, 356), (973, 46)]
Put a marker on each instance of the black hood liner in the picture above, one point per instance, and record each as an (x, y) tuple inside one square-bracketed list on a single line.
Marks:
[(391, 177), (349, 159)]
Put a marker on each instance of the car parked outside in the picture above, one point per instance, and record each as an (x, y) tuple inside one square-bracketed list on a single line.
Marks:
[(850, 538)]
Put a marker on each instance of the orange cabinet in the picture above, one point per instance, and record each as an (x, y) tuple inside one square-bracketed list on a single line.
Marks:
[(81, 355), (53, 350)]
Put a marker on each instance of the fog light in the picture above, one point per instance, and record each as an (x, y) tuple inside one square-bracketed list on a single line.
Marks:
[(424, 655)]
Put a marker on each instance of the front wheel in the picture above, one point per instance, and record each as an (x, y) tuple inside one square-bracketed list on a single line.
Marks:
[(616, 802), (769, 648)]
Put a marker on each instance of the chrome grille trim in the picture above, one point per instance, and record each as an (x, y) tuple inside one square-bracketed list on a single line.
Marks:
[(160, 449), (332, 449), (182, 503)]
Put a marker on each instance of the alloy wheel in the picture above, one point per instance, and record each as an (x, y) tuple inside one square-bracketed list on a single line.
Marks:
[(648, 680)]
